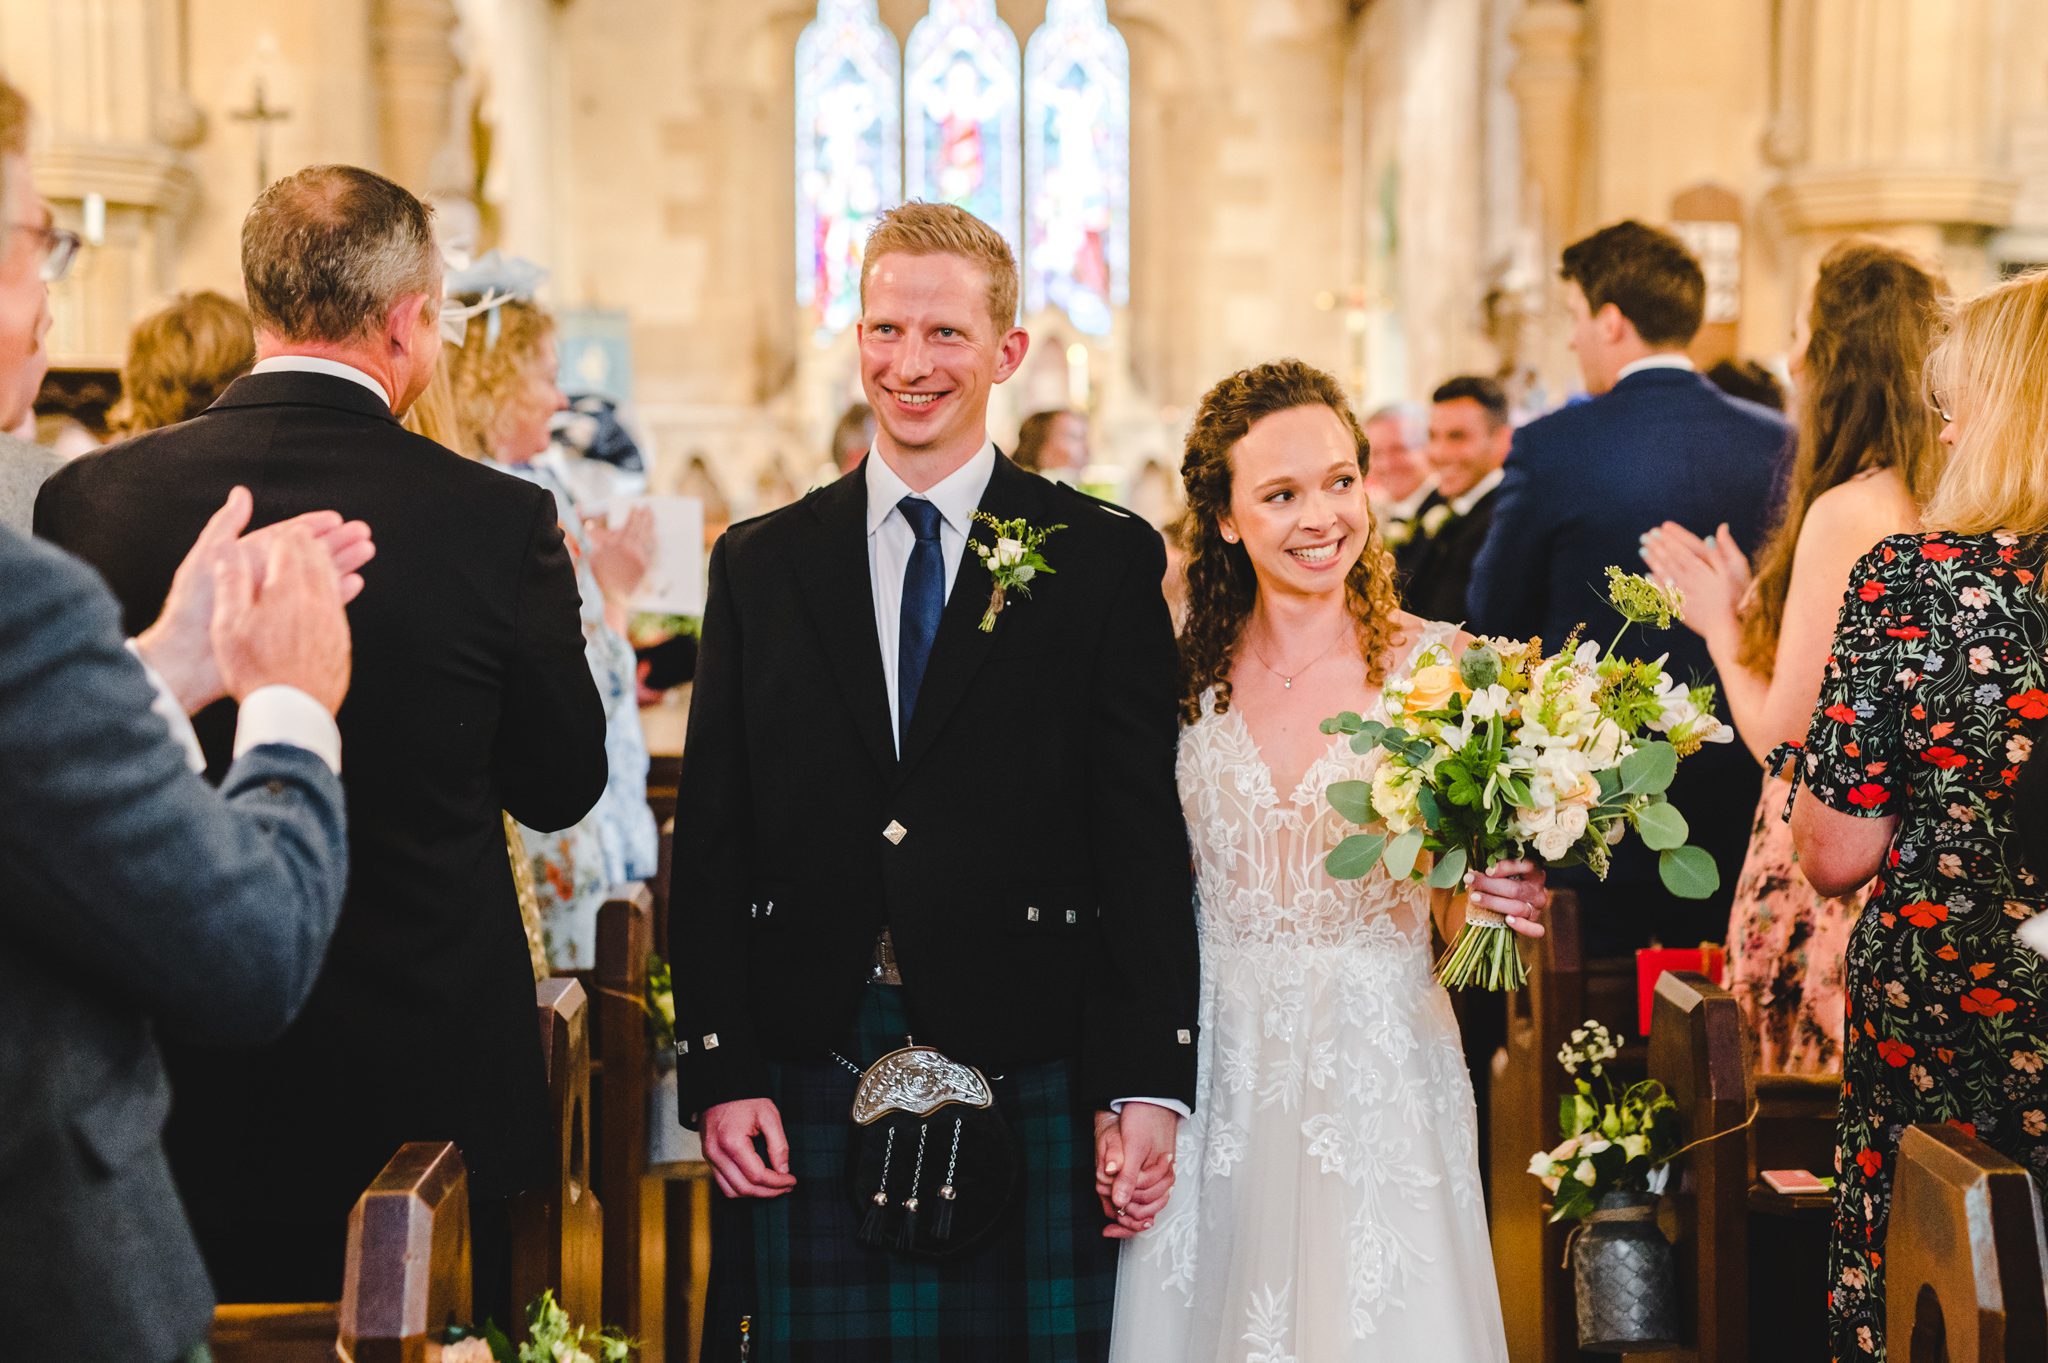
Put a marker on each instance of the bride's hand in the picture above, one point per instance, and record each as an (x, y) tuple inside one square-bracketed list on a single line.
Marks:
[(1513, 889)]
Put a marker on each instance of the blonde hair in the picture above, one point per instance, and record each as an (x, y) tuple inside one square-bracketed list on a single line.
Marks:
[(14, 117), (180, 358), (927, 229), (1988, 367), (484, 372), (432, 413)]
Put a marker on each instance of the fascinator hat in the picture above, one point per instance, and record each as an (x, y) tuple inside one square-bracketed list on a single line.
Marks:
[(491, 281)]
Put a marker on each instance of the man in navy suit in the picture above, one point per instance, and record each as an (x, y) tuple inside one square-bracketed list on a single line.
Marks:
[(1657, 442)]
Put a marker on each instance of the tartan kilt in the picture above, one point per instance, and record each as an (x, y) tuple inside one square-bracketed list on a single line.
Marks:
[(789, 1278)]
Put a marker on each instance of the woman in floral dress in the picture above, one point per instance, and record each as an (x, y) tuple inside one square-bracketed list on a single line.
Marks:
[(1866, 459), (1935, 695)]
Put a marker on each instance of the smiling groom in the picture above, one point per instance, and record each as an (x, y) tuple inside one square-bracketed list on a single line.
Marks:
[(894, 824)]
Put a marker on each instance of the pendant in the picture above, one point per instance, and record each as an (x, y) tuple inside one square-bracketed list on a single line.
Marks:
[(1287, 683)]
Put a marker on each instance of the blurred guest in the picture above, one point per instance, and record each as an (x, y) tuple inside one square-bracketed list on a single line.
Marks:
[(1867, 460), (138, 898), (852, 436), (1398, 481), (505, 395), (1468, 440), (471, 697), (1656, 442), (24, 464), (180, 358), (1054, 444), (1932, 709), (1750, 381)]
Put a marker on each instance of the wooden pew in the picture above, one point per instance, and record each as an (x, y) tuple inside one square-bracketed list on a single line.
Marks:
[(1527, 1083), (1965, 1259), (1750, 1261), (557, 1232), (407, 1275), (635, 1231)]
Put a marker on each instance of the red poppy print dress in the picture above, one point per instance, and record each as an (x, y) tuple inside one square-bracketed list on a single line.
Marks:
[(1936, 691)]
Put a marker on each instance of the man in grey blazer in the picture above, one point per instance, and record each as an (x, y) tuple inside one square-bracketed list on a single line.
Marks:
[(133, 895)]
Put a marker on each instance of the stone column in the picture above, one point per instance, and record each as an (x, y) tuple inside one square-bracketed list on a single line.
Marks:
[(416, 72), (1548, 81), (1900, 130)]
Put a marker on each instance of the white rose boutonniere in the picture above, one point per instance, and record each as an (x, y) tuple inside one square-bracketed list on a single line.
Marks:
[(1013, 561), (1436, 518), (1397, 534)]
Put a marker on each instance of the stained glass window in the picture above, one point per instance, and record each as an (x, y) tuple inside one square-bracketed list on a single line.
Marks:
[(848, 140), (1077, 158), (960, 96)]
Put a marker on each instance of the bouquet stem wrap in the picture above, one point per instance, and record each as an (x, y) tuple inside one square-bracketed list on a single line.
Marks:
[(1484, 956)]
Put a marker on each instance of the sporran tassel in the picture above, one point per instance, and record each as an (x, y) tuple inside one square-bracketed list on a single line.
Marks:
[(942, 1215), (874, 1228), (906, 1234)]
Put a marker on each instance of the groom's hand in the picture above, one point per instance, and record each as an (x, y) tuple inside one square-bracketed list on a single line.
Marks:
[(1138, 1189), (729, 1132)]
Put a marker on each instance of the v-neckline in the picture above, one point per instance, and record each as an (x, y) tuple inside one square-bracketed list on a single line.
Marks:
[(1376, 710)]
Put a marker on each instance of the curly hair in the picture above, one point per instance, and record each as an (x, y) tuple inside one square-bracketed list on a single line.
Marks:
[(180, 359), (484, 372), (1221, 583)]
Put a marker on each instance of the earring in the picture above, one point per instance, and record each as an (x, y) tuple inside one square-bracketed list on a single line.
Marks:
[(1230, 537)]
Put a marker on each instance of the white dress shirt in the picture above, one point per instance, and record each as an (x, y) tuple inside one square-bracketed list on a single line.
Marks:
[(1469, 498), (315, 364), (271, 714), (1405, 508), (1668, 359), (890, 540)]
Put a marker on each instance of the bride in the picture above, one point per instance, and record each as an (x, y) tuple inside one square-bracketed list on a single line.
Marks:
[(1328, 1204)]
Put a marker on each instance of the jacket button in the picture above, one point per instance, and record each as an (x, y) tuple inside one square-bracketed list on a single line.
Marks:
[(711, 1042), (895, 832), (1031, 915), (1185, 1037), (273, 787), (1073, 917)]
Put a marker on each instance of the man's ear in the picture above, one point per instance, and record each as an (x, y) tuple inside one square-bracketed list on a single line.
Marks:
[(1010, 352), (1614, 327), (402, 321)]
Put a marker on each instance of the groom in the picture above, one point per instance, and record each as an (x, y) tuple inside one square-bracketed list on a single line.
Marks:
[(893, 823)]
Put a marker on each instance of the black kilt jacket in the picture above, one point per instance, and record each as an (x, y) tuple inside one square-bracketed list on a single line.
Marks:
[(1026, 851)]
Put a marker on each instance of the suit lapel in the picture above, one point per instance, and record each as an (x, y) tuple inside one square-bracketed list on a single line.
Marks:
[(842, 607), (960, 648)]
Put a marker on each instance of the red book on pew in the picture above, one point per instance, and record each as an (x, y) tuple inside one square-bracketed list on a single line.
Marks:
[(1708, 958)]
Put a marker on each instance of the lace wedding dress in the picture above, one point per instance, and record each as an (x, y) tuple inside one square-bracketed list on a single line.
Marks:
[(1328, 1207)]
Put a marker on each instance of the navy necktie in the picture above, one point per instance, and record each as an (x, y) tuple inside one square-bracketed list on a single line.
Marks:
[(924, 599)]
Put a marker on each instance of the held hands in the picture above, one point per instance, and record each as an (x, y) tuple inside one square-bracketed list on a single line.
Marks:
[(1513, 889), (1134, 1170), (729, 1133), (181, 644), (1712, 573)]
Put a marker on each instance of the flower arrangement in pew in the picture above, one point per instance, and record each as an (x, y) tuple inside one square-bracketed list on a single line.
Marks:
[(1504, 751), (554, 1339), (1612, 1142), (660, 1005)]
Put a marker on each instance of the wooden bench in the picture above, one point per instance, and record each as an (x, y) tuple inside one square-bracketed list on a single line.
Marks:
[(1750, 1261), (1965, 1259), (622, 1072), (407, 1275), (1526, 1086), (558, 1231)]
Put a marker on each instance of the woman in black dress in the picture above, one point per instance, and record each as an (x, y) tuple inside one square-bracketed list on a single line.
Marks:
[(1936, 693)]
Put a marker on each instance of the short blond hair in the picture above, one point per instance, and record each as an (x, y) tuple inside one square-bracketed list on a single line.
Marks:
[(13, 142), (180, 358), (1988, 368), (484, 371), (928, 229)]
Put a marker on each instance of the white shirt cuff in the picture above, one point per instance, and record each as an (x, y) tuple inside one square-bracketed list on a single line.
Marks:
[(285, 714), (167, 708), (1170, 1104)]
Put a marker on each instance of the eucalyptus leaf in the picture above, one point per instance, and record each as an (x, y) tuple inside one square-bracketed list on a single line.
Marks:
[(1689, 872), (1649, 769), (1352, 858), (1402, 852), (1432, 810), (1346, 723), (1353, 799), (1449, 870), (1662, 826)]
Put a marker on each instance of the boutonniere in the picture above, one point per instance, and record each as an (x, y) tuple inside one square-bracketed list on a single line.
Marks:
[(1398, 533), (1012, 561), (1436, 518)]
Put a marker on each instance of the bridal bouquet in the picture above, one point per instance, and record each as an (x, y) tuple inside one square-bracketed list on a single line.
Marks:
[(1504, 751)]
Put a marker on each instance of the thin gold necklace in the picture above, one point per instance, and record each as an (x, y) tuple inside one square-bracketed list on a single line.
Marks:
[(1287, 681)]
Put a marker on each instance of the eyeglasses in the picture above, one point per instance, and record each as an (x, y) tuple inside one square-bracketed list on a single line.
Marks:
[(1943, 405), (58, 246)]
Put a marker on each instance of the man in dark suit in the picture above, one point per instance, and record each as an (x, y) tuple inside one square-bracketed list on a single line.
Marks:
[(892, 821), (1657, 442), (471, 696), (1468, 441), (137, 897)]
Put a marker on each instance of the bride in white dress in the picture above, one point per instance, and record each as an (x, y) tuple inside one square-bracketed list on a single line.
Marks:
[(1326, 1203)]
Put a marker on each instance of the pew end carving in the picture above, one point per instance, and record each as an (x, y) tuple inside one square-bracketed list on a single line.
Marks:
[(557, 1232)]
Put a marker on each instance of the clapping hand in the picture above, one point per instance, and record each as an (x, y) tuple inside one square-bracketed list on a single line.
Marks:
[(620, 556), (1513, 889), (180, 644), (1712, 574), (1134, 1170), (280, 622)]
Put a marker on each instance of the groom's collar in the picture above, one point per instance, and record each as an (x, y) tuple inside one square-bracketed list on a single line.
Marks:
[(956, 495)]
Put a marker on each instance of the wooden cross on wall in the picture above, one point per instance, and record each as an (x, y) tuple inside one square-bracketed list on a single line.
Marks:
[(263, 116)]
